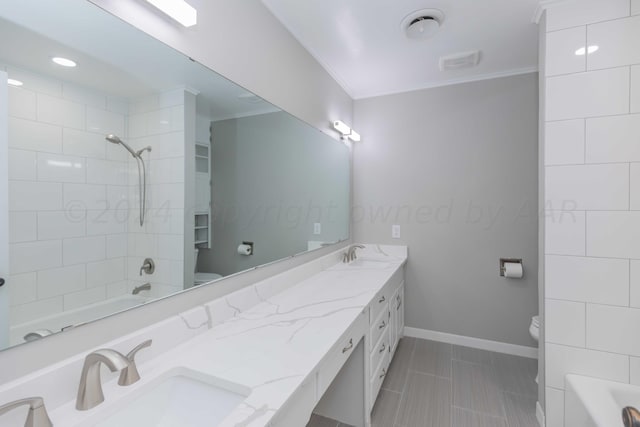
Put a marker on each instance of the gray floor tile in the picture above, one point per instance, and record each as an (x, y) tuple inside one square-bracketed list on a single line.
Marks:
[(520, 410), (386, 408), (397, 376), (475, 388), (516, 374), (465, 418), (318, 421), (472, 355), (426, 402), (430, 357)]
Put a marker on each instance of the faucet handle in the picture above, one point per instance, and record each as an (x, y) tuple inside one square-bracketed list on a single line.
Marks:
[(37, 415), (130, 374)]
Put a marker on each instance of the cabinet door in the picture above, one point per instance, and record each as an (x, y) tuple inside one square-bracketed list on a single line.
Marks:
[(393, 323), (399, 309)]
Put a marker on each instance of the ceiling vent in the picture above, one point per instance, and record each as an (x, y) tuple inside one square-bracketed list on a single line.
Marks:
[(459, 61), (422, 24)]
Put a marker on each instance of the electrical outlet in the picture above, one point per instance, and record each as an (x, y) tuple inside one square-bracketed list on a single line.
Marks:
[(317, 228), (395, 231)]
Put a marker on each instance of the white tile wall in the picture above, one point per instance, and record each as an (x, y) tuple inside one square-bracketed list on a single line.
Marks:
[(580, 279), (565, 233), (618, 42), (564, 142), (561, 48), (608, 94), (613, 139), (635, 89), (592, 298), (565, 322), (73, 195), (590, 187), (613, 234)]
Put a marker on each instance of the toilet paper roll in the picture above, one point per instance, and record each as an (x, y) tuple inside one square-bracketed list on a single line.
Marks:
[(513, 270), (244, 249)]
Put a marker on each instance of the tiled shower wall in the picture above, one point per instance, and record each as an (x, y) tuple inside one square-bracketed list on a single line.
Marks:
[(66, 191), (159, 122), (592, 176), (74, 232)]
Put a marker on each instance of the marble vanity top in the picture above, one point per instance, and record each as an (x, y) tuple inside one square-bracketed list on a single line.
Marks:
[(271, 348)]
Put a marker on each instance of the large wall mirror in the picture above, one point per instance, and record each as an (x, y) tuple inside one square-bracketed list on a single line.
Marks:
[(138, 173)]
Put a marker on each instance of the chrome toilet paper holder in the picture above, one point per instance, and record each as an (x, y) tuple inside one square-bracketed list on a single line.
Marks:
[(503, 261)]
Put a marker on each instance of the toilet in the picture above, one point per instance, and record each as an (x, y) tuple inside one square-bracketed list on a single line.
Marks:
[(534, 330), (202, 278)]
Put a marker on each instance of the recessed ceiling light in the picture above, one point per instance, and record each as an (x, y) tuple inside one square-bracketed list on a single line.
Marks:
[(64, 61), (14, 82), (422, 24)]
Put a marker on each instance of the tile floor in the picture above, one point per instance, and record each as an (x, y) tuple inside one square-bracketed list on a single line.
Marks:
[(433, 384)]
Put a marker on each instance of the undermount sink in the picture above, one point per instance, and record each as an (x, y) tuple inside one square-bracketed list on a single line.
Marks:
[(366, 264), (183, 398)]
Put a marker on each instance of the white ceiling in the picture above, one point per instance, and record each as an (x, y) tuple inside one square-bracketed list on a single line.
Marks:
[(113, 57), (360, 42)]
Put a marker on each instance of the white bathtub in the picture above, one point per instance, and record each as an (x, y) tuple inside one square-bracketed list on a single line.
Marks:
[(75, 317), (590, 402)]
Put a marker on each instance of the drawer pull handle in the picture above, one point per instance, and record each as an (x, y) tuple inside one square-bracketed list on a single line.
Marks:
[(381, 300), (384, 373), (384, 347), (382, 325), (349, 347)]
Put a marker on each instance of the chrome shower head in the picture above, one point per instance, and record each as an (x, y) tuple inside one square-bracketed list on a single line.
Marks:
[(114, 139)]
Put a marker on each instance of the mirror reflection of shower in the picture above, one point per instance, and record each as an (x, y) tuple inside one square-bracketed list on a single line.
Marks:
[(142, 175)]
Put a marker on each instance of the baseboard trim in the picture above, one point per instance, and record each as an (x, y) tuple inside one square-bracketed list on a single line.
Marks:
[(499, 347), (540, 415)]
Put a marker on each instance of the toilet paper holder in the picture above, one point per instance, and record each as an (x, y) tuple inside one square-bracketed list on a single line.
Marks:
[(508, 260)]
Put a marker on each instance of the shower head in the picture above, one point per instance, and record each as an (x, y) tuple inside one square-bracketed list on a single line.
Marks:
[(114, 139)]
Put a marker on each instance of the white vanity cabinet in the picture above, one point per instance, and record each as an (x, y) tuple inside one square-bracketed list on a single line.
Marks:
[(386, 324)]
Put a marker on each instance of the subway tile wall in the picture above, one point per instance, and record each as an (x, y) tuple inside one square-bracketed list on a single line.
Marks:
[(74, 236), (592, 191)]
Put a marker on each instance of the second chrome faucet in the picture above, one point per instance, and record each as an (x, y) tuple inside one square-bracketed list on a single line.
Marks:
[(90, 392)]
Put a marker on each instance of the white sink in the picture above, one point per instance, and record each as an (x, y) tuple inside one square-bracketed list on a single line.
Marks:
[(365, 264), (183, 398), (590, 402)]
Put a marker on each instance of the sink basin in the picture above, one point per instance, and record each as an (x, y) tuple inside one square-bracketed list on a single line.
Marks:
[(365, 264), (591, 402), (183, 398)]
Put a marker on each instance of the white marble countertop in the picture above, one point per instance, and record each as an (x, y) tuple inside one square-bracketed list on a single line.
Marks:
[(269, 349)]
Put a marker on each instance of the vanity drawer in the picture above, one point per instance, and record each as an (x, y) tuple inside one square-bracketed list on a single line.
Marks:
[(379, 350), (378, 377), (379, 303), (339, 354), (379, 326)]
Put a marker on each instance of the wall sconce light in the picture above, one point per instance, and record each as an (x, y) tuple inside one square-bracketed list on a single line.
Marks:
[(178, 10), (346, 131)]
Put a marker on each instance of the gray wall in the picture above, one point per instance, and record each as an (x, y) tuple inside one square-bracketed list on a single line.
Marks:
[(273, 177), (244, 42), (456, 167)]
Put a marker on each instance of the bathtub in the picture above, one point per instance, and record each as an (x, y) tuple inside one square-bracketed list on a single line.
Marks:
[(75, 317), (591, 402)]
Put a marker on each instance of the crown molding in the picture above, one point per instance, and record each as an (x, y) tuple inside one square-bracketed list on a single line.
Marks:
[(542, 6)]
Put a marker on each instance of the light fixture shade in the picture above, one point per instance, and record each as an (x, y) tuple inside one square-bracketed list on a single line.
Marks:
[(423, 28), (179, 10), (354, 136), (341, 127), (64, 62)]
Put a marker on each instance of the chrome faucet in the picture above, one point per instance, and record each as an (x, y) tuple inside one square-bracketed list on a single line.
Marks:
[(137, 289), (130, 375), (37, 415), (90, 389), (350, 255)]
